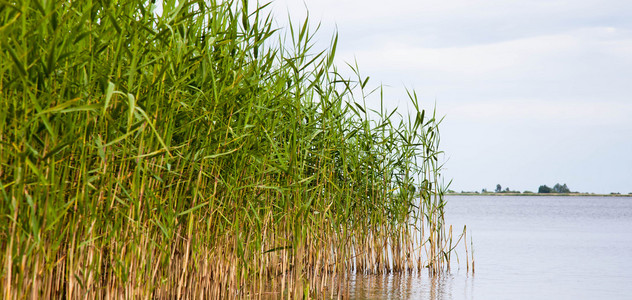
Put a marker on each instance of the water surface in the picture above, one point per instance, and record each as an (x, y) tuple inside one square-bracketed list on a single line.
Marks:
[(528, 248)]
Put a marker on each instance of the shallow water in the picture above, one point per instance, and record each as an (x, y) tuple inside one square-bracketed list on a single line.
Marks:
[(527, 248)]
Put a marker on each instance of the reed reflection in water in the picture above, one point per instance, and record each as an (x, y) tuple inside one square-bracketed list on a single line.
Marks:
[(412, 286)]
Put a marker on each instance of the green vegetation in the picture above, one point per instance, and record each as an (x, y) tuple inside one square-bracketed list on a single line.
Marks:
[(543, 190), (499, 189), (199, 154), (557, 188)]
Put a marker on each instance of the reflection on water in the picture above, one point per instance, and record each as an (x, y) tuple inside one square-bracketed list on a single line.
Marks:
[(527, 248), (410, 286)]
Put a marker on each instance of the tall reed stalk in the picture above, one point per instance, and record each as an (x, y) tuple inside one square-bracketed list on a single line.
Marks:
[(199, 154)]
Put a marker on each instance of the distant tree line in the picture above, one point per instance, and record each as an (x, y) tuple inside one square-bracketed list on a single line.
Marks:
[(543, 189), (557, 188), (499, 189)]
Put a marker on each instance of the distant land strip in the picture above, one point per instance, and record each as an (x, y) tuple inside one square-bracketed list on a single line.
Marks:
[(539, 194)]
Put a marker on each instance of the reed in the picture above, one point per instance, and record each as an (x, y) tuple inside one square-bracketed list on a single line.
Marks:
[(200, 153)]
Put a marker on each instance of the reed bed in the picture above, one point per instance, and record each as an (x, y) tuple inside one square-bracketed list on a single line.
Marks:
[(201, 153)]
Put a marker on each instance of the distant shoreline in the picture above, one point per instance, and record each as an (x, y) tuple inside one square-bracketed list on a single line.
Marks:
[(540, 194)]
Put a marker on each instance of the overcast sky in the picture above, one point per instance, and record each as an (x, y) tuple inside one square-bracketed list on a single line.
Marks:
[(534, 92)]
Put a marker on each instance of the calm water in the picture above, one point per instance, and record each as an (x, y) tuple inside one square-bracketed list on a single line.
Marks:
[(528, 248)]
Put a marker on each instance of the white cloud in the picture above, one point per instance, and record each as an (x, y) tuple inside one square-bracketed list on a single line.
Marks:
[(465, 61), (537, 110)]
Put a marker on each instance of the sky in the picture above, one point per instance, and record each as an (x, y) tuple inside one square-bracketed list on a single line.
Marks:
[(533, 92)]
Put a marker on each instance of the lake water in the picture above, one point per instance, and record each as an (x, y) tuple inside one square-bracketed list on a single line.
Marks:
[(528, 248)]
